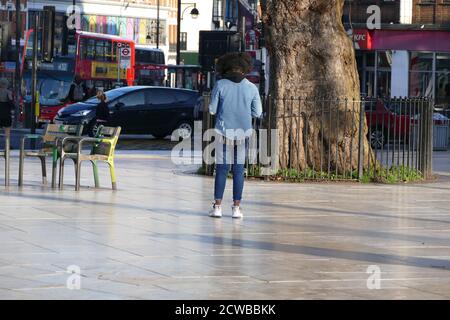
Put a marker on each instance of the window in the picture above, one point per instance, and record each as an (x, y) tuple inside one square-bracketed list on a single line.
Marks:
[(182, 96), (83, 49), (133, 99), (217, 12), (100, 50), (442, 83), (183, 41), (384, 63), (152, 31), (159, 96), (90, 53), (421, 74), (147, 56)]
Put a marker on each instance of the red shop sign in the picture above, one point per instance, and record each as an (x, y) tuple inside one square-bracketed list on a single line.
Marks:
[(362, 39)]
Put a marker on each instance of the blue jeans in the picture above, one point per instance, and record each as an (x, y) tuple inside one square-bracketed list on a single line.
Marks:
[(224, 163)]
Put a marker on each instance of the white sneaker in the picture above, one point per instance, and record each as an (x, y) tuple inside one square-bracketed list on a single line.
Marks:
[(237, 214), (216, 212)]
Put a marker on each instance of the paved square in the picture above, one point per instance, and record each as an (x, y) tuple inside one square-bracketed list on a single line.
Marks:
[(153, 240)]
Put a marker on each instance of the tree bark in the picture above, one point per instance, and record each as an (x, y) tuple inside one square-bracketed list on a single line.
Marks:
[(314, 85)]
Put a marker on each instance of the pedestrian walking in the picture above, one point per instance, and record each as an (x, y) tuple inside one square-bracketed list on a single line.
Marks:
[(77, 90), (6, 107), (234, 101)]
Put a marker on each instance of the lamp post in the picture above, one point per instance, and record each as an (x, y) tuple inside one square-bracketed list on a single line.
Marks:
[(157, 24), (194, 14), (18, 80)]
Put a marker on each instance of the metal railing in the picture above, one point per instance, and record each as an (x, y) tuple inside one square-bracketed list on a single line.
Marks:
[(367, 139)]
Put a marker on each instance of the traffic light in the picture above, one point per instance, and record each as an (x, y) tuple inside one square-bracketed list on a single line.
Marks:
[(68, 36), (48, 33)]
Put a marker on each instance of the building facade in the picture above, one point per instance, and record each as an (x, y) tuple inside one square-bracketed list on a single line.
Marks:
[(409, 55), (132, 19), (191, 27), (355, 11), (431, 12)]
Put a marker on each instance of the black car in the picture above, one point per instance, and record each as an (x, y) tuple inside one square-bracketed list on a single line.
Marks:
[(140, 109)]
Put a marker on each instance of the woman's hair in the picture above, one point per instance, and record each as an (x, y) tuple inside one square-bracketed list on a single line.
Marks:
[(101, 95), (234, 62)]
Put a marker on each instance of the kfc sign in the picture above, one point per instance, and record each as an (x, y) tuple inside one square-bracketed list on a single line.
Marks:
[(361, 39)]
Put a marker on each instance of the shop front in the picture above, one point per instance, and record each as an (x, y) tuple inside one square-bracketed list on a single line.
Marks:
[(398, 63)]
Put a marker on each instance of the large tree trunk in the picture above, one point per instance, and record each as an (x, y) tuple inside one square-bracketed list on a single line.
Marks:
[(312, 57)]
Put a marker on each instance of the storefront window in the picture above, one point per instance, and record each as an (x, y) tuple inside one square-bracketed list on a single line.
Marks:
[(384, 69), (366, 65), (442, 79), (421, 74), (384, 84), (384, 59), (421, 61)]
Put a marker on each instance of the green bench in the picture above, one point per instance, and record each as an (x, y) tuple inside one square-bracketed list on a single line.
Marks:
[(50, 147), (103, 149)]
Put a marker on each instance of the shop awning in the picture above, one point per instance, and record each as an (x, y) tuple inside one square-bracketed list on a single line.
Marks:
[(411, 40), (408, 40)]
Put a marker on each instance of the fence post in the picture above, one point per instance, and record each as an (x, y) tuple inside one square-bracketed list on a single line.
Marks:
[(268, 125), (430, 141), (426, 137), (361, 141)]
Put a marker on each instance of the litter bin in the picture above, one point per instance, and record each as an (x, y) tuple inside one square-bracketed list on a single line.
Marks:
[(440, 132)]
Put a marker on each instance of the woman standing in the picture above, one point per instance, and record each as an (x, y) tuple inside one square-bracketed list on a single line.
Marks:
[(101, 113), (6, 106), (102, 110), (234, 101)]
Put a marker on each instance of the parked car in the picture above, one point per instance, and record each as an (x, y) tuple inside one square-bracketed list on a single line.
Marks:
[(140, 109), (387, 120)]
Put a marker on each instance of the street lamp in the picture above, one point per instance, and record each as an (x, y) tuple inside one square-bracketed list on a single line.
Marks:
[(157, 24), (194, 14), (18, 75)]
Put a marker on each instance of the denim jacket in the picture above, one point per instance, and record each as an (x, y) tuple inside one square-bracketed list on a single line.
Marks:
[(235, 104)]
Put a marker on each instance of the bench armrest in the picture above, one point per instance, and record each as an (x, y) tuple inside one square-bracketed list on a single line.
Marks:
[(87, 140), (62, 140)]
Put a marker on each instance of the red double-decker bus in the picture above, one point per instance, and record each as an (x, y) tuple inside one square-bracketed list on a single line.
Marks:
[(96, 59), (150, 66)]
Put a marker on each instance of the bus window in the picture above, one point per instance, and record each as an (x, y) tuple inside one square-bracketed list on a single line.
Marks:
[(99, 51), (90, 49), (83, 48), (109, 55), (161, 58), (114, 52)]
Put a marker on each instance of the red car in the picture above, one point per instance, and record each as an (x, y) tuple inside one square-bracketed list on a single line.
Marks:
[(388, 120)]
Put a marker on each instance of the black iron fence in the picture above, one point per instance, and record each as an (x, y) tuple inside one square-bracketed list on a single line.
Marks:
[(368, 140)]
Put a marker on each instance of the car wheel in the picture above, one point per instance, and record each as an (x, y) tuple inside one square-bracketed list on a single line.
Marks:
[(377, 139), (185, 129)]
